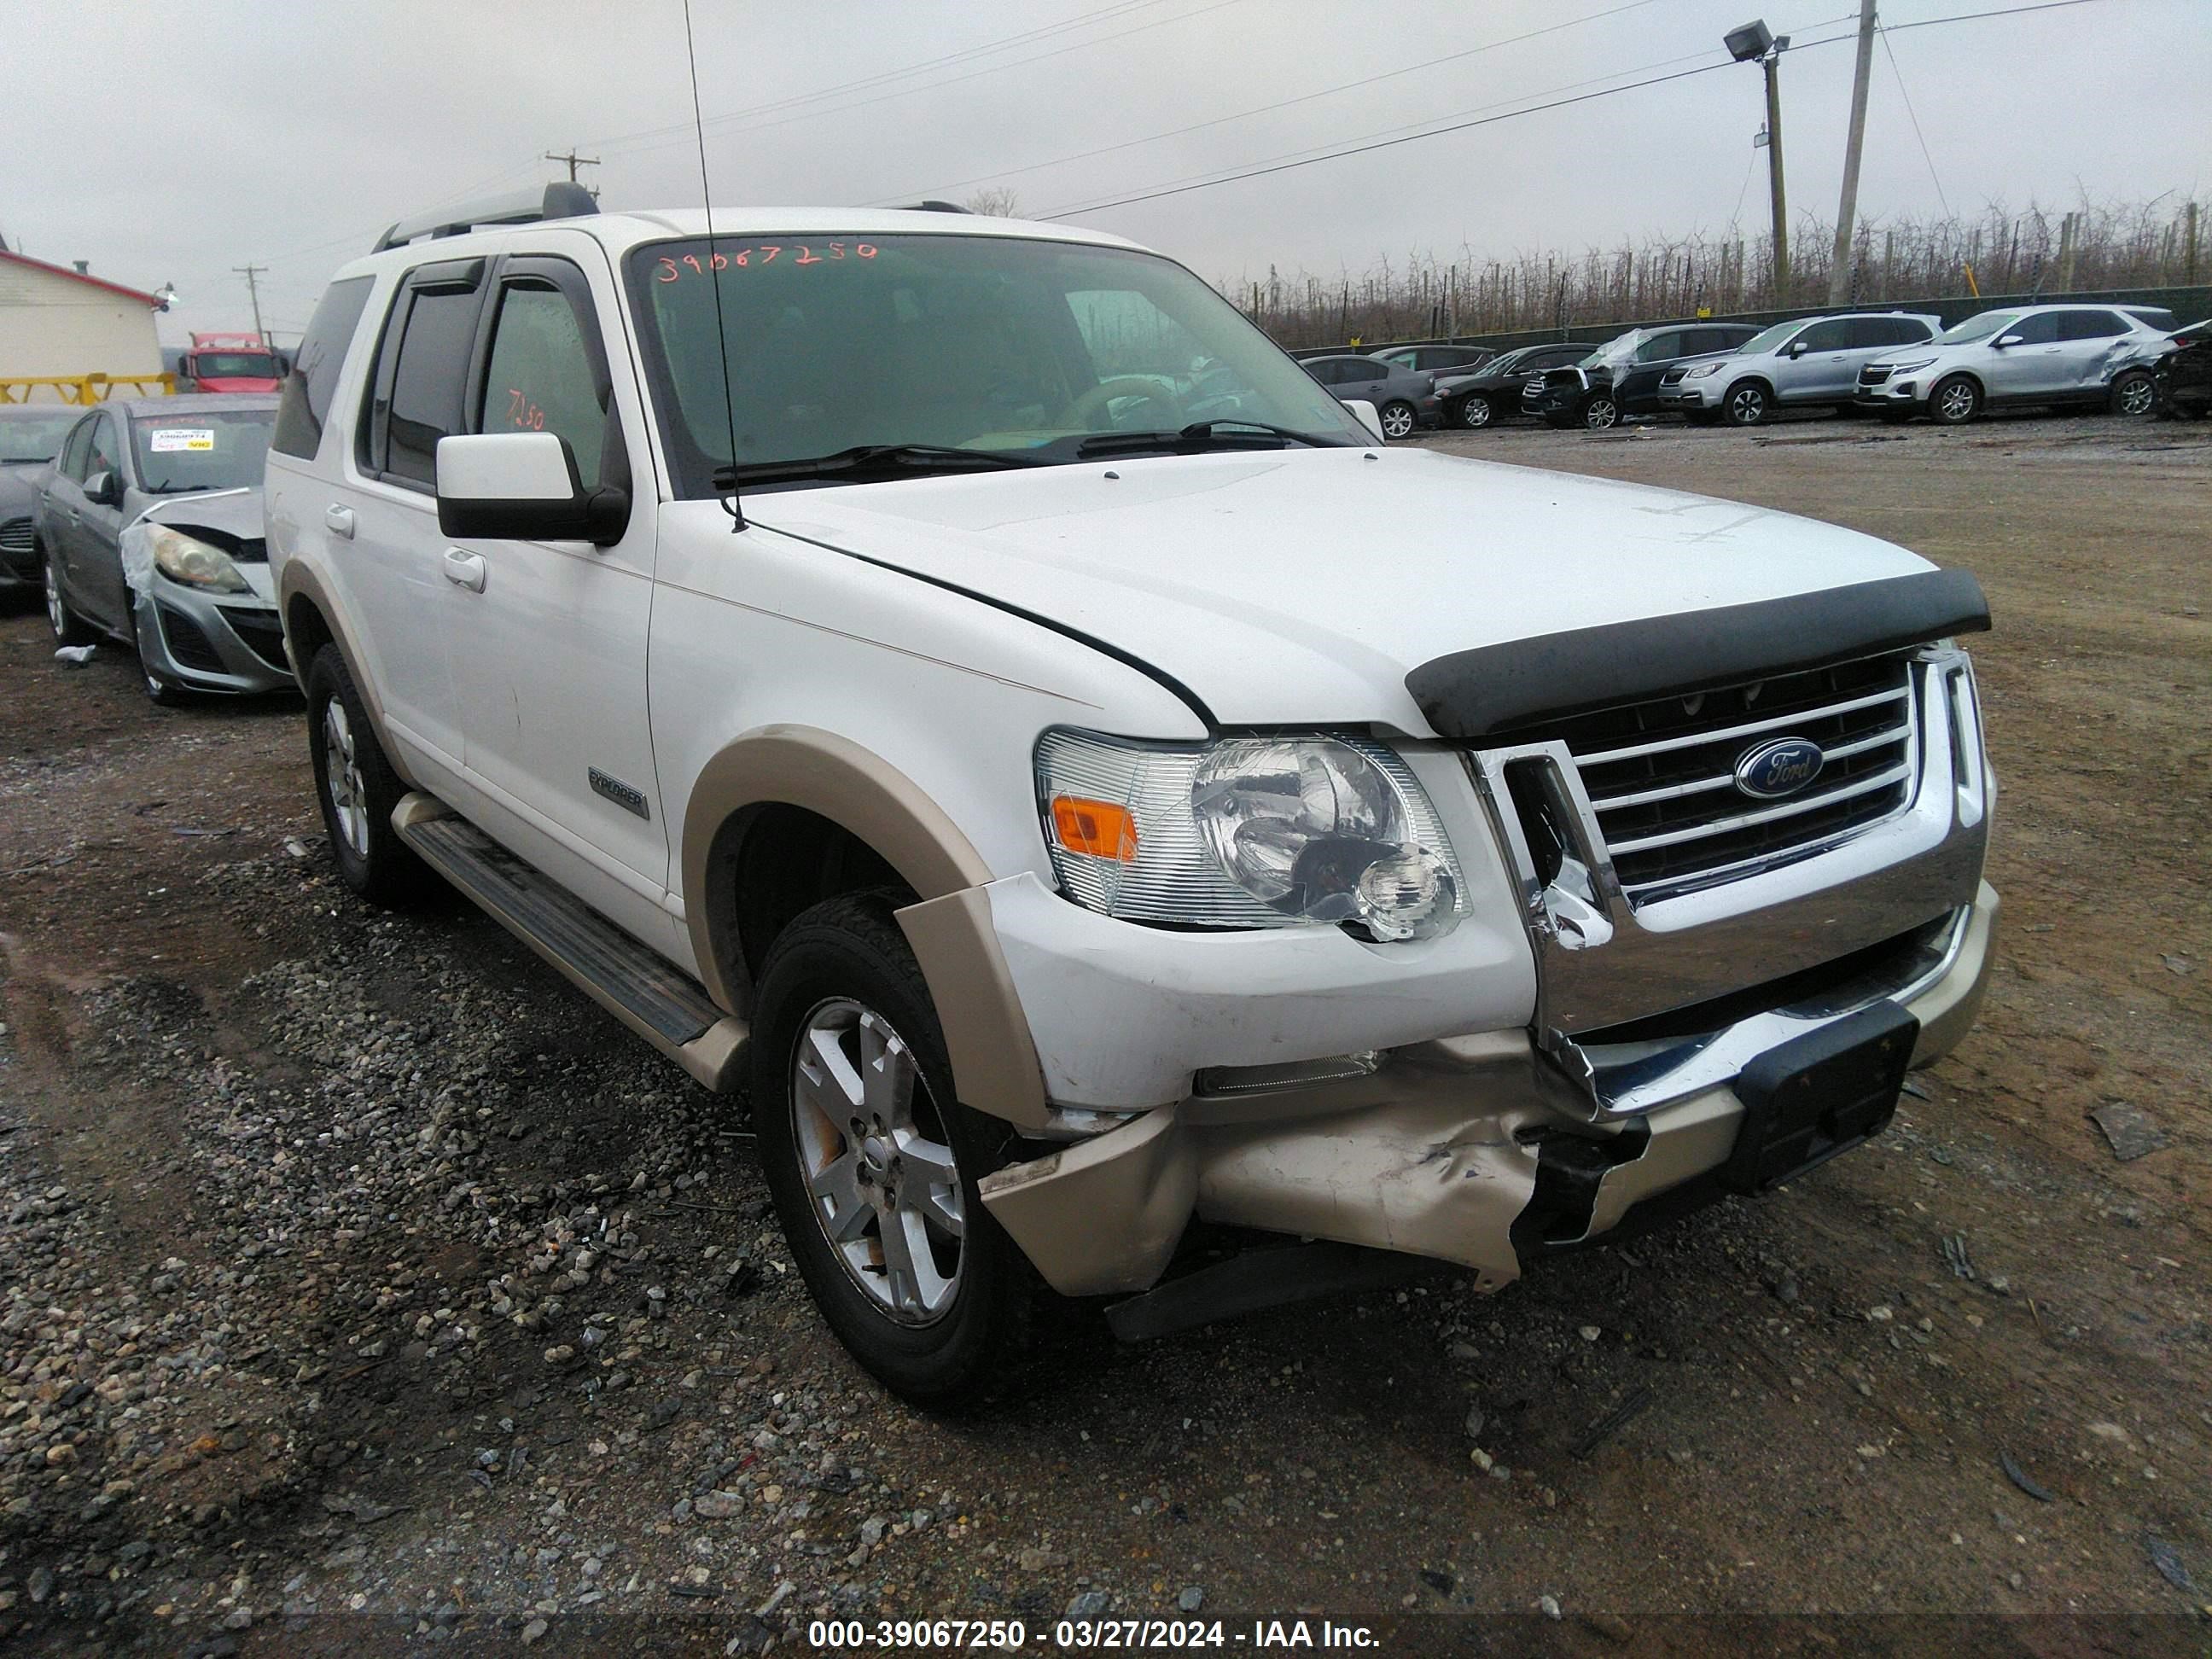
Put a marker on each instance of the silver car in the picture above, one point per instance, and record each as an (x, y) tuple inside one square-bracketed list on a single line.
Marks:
[(148, 530), (1809, 362), (2096, 355)]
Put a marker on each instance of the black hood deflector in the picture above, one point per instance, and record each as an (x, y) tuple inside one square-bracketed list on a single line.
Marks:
[(1509, 687)]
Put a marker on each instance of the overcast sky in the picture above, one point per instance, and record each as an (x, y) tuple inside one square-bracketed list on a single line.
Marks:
[(170, 142)]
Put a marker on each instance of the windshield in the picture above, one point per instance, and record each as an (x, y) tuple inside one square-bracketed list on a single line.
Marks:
[(201, 449), (991, 343), (27, 438), (1769, 339), (235, 366), (1978, 328)]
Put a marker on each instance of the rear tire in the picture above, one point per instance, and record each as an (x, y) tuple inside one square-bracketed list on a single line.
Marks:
[(857, 1127), (1955, 401), (357, 789), (1399, 420), (2134, 395), (68, 627)]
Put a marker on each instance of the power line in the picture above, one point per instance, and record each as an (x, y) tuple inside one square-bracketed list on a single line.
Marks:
[(1269, 109), (1287, 165), (680, 135), (1912, 115)]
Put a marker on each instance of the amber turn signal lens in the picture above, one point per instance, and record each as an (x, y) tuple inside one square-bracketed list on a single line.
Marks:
[(1097, 827)]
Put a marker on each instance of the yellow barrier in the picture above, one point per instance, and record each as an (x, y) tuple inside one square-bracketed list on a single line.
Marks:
[(84, 388)]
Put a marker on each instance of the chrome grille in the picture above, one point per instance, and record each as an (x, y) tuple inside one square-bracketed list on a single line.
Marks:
[(1874, 373), (1660, 775)]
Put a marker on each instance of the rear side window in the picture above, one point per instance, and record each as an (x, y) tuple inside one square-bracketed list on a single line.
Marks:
[(307, 389), (422, 369), (2089, 325), (1887, 332)]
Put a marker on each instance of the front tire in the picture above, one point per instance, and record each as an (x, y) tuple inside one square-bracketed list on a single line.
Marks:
[(1955, 402), (1600, 414), (68, 627), (2134, 395), (357, 788), (1746, 404), (872, 1162), (1476, 413), (163, 693), (1399, 420)]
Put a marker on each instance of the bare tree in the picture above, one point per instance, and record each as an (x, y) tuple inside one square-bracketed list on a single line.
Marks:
[(995, 202)]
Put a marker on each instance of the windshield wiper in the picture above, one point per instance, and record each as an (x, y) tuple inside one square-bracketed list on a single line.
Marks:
[(1198, 436), (890, 458)]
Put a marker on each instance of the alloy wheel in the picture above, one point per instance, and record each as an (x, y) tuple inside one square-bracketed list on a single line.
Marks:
[(57, 612), (1600, 413), (1476, 412), (877, 1159), (342, 777), (2135, 395), (1956, 401), (1747, 406), (1398, 421)]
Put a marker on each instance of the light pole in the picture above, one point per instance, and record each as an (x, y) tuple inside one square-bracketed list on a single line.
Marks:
[(1754, 43)]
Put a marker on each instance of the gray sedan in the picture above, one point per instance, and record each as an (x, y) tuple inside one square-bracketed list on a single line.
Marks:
[(30, 437), (149, 531), (1405, 398)]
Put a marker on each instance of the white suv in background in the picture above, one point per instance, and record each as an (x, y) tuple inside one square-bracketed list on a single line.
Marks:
[(1809, 362), (2050, 355), (831, 641)]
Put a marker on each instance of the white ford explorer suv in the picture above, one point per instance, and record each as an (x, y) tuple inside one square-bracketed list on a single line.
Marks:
[(954, 682)]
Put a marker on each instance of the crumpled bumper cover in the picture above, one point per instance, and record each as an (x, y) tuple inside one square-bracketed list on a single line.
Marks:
[(1437, 1154)]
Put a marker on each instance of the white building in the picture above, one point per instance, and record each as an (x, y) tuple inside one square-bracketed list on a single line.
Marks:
[(54, 320)]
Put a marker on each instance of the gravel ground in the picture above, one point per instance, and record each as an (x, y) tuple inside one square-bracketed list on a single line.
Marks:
[(362, 1285)]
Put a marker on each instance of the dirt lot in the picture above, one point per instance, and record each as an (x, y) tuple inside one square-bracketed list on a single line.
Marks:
[(361, 1285)]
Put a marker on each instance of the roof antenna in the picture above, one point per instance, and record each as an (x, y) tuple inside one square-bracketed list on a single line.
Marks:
[(725, 478)]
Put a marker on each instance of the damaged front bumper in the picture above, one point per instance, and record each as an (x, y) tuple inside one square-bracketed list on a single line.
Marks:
[(1479, 1150)]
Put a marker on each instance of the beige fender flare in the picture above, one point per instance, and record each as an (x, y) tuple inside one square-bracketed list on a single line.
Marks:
[(986, 1036)]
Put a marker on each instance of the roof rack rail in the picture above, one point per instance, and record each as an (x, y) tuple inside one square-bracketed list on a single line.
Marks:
[(936, 207), (561, 200)]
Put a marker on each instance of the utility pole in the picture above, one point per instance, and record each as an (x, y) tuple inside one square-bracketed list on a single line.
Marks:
[(253, 293), (1755, 43), (1839, 270), (1772, 64), (572, 161)]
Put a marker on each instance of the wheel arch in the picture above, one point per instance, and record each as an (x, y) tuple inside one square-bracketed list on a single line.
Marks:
[(312, 621), (783, 794)]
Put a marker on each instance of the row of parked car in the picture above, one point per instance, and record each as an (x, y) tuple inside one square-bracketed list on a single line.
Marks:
[(2134, 360)]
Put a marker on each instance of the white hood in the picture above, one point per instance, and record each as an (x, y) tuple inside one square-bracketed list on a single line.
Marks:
[(1300, 586)]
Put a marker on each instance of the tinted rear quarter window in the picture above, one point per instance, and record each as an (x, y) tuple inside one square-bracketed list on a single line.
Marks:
[(306, 403)]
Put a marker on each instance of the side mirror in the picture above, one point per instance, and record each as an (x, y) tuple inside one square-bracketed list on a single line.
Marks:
[(522, 486), (1794, 348), (104, 489), (1367, 416), (2004, 340)]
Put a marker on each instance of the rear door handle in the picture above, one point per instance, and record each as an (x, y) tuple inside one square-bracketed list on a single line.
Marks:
[(338, 520), (466, 570)]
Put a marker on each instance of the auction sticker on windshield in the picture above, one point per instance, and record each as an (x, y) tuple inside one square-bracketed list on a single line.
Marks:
[(169, 440)]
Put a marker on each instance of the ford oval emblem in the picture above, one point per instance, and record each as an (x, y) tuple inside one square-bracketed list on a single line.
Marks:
[(1778, 768)]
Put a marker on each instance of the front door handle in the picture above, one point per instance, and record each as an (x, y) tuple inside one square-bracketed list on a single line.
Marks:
[(338, 520), (466, 570)]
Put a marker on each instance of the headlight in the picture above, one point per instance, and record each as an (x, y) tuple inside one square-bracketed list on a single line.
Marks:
[(1702, 370), (1258, 832), (1912, 367), (186, 559)]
